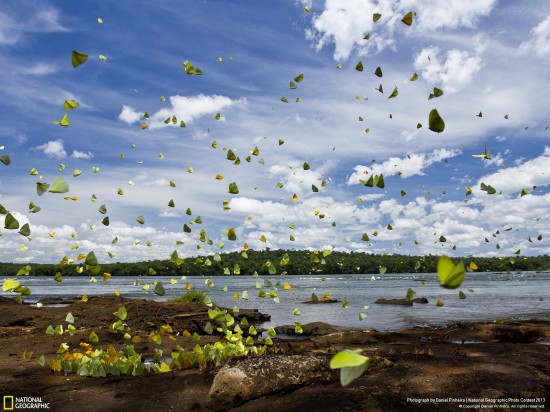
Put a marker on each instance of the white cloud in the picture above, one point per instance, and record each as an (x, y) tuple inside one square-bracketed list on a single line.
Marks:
[(8, 35), (200, 134), (53, 148), (496, 160), (129, 115), (297, 180), (454, 73), (169, 214), (534, 172), (410, 165), (40, 69), (371, 196), (27, 18), (344, 23), (44, 248), (162, 182), (465, 225), (422, 219), (46, 19), (540, 40), (21, 138), (186, 108), (276, 216), (449, 14), (81, 155)]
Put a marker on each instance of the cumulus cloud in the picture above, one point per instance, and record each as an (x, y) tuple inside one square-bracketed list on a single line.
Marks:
[(449, 14), (513, 179), (540, 40), (496, 160), (371, 196), (129, 115), (410, 165), (53, 148), (56, 149), (45, 249), (344, 23), (423, 220), (519, 161), (77, 154), (186, 108), (454, 71), (297, 180), (276, 216)]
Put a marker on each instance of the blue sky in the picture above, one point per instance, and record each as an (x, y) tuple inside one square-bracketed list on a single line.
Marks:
[(487, 56)]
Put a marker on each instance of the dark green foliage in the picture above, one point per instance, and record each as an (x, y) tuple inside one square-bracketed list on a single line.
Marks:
[(300, 263)]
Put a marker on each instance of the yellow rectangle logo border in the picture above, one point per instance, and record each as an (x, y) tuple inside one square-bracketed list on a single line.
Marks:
[(5, 406)]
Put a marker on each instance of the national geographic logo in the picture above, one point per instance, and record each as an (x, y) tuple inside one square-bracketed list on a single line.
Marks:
[(8, 403), (11, 403)]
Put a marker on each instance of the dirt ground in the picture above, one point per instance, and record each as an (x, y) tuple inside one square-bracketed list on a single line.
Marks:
[(443, 368)]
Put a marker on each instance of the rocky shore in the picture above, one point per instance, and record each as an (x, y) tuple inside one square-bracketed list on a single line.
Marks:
[(414, 369)]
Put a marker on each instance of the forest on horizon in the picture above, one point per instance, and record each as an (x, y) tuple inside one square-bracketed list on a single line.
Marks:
[(277, 262)]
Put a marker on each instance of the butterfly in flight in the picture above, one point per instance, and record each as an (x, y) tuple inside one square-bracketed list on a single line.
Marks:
[(487, 155)]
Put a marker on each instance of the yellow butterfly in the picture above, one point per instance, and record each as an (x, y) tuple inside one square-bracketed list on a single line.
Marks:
[(487, 155)]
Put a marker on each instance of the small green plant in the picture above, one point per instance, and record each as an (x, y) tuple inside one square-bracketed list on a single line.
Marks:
[(195, 296)]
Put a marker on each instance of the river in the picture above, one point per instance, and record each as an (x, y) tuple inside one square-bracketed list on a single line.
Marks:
[(491, 296)]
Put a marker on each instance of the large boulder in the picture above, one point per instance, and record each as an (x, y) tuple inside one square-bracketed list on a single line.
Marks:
[(243, 379)]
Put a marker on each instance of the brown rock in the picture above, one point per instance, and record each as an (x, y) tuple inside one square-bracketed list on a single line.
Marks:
[(309, 302), (243, 379), (402, 301), (313, 328), (252, 315)]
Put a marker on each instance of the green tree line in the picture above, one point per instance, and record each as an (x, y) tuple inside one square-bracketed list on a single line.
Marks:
[(292, 262)]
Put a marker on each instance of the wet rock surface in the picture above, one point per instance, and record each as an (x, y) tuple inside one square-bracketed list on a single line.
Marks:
[(320, 301), (403, 302), (145, 315), (313, 328)]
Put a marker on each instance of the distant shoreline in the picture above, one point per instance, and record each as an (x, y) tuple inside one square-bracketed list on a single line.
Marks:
[(296, 262)]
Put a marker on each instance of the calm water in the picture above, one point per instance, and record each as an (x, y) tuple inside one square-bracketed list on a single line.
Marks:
[(496, 295)]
